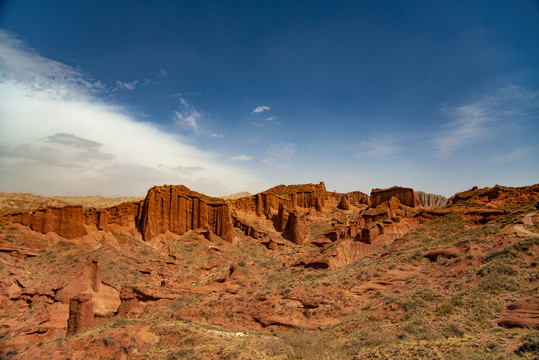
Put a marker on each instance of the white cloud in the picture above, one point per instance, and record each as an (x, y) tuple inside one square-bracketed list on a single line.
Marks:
[(270, 118), (58, 138), (241, 158), (259, 109), (162, 73), (216, 135), (127, 85), (485, 118)]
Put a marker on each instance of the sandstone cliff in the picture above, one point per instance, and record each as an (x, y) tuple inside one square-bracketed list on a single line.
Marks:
[(177, 209), (67, 221), (306, 196)]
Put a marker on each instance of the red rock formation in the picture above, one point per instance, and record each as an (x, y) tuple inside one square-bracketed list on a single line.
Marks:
[(177, 209), (405, 195), (67, 221), (81, 314), (87, 279), (344, 204), (306, 196), (298, 228), (123, 214), (357, 198)]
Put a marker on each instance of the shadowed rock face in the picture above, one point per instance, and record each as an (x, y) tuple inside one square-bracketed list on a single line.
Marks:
[(65, 221), (405, 195), (177, 209)]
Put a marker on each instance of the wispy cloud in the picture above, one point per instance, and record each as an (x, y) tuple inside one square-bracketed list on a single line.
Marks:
[(279, 155), (162, 73), (513, 155), (260, 109), (270, 118), (131, 85), (379, 147), (216, 135), (485, 117), (241, 158), (188, 116), (58, 137)]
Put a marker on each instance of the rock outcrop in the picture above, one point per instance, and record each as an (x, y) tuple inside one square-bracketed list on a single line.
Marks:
[(67, 221), (344, 204), (106, 299), (81, 314), (281, 222), (406, 196), (177, 209), (431, 200), (523, 312), (298, 229)]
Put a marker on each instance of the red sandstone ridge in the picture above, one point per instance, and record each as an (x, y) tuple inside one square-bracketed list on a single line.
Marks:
[(65, 221), (291, 196), (177, 209), (406, 196)]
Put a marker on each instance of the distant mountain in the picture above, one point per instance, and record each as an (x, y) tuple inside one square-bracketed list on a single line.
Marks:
[(431, 200), (237, 195), (23, 201)]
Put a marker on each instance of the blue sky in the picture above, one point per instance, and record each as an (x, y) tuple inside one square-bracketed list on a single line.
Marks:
[(110, 99)]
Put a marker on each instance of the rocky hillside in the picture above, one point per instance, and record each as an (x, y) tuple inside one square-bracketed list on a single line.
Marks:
[(293, 272), (431, 200)]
